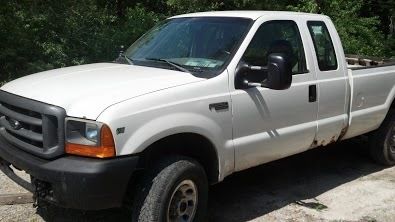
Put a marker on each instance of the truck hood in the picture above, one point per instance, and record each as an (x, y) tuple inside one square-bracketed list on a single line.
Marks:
[(87, 90)]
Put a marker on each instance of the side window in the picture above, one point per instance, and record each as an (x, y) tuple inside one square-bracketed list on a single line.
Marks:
[(323, 45), (277, 37)]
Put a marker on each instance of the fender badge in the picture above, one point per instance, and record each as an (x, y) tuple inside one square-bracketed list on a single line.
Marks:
[(120, 130)]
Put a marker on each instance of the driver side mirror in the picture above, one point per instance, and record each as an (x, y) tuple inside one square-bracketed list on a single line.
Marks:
[(278, 73)]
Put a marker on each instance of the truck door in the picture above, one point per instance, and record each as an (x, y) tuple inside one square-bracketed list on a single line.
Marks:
[(332, 81), (271, 124)]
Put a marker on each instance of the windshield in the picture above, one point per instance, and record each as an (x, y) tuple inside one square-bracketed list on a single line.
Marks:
[(198, 44)]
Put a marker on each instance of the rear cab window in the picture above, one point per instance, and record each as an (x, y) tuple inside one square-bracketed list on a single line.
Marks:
[(324, 49)]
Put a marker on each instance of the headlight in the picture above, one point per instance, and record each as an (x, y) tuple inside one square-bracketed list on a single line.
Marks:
[(89, 138)]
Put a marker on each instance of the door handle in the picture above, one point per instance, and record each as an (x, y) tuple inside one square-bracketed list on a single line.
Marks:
[(312, 93)]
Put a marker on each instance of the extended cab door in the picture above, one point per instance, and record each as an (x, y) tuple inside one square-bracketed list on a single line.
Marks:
[(271, 124), (332, 80)]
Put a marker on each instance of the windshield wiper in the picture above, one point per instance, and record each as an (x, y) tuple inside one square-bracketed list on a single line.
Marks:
[(127, 59), (123, 59), (175, 65)]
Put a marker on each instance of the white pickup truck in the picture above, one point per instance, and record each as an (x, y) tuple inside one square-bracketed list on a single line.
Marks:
[(197, 98)]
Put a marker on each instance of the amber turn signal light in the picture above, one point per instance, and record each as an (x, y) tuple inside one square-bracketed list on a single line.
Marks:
[(105, 149)]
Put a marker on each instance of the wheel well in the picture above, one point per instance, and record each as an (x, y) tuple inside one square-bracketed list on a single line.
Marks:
[(392, 107), (191, 145), (392, 104)]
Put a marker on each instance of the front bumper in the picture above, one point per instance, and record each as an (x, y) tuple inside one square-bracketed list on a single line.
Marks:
[(74, 182)]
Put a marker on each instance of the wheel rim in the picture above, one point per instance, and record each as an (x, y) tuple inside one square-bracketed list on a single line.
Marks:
[(183, 202)]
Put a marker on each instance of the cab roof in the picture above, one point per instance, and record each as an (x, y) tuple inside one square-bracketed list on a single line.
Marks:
[(254, 15)]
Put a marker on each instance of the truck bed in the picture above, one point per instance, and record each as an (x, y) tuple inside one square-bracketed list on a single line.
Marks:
[(372, 87), (363, 62)]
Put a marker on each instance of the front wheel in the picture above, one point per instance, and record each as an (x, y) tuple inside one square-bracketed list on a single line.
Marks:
[(176, 189)]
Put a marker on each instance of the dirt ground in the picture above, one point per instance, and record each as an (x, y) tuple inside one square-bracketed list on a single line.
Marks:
[(334, 183)]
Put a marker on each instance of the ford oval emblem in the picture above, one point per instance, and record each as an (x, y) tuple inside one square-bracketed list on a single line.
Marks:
[(15, 124)]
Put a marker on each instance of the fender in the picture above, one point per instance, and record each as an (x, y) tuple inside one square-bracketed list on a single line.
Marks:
[(149, 118), (176, 123)]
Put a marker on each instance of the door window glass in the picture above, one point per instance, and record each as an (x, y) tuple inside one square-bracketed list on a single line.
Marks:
[(277, 37), (325, 52)]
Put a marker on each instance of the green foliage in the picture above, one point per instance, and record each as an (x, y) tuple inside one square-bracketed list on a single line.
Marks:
[(186, 6), (390, 46), (45, 35), (309, 6), (41, 34), (359, 34)]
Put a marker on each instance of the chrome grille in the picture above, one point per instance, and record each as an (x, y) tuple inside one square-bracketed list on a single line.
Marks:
[(32, 126)]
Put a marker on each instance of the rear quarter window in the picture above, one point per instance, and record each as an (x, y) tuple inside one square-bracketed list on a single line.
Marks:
[(325, 52)]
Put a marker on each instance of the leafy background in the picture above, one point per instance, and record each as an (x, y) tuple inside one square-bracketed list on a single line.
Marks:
[(37, 35)]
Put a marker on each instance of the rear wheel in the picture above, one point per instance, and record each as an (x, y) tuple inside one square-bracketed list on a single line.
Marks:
[(174, 190), (382, 141)]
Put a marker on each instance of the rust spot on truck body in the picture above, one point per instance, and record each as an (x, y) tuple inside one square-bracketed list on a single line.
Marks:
[(324, 142), (343, 132)]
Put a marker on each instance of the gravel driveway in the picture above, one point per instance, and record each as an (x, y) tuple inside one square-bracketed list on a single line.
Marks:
[(334, 183)]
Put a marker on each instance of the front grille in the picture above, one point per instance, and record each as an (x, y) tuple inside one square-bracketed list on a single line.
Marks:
[(32, 126)]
